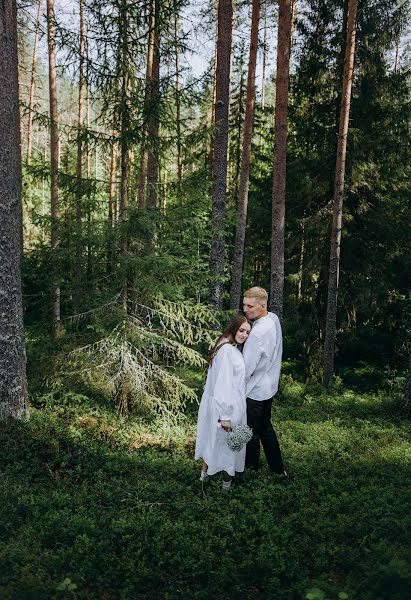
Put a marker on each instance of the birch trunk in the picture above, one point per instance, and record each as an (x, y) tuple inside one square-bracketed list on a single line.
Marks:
[(238, 258), (333, 278), (13, 386)]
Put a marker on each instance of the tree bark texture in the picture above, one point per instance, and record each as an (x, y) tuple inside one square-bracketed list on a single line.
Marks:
[(79, 162), (54, 163), (280, 156), (33, 83), (112, 209), (124, 149), (333, 277), (154, 116), (263, 76), (13, 386), (238, 258), (221, 111), (149, 75), (178, 103), (124, 122)]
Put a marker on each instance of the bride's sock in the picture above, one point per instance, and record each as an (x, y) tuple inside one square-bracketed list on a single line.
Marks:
[(203, 475)]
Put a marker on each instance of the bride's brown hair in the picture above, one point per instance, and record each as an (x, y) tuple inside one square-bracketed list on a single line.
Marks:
[(229, 332)]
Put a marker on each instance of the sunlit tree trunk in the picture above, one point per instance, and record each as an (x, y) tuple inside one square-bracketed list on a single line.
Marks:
[(79, 163), (210, 152), (111, 202), (87, 152), (263, 75), (124, 150), (149, 75), (178, 103), (333, 278), (33, 82), (280, 156), (238, 257), (154, 117), (54, 163), (13, 386), (222, 103), (112, 209), (235, 178)]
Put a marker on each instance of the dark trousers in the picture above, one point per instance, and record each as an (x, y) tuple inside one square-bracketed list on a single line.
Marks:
[(259, 419)]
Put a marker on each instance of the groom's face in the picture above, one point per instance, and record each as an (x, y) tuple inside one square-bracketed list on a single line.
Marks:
[(252, 308)]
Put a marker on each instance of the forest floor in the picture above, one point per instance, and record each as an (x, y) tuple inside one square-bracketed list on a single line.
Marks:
[(99, 507)]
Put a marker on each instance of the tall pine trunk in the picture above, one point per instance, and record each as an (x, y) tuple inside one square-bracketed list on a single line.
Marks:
[(33, 82), (149, 75), (124, 149), (331, 319), (13, 386), (178, 102), (238, 257), (221, 111), (263, 75), (54, 164), (79, 162), (280, 156), (154, 116), (237, 135), (210, 152), (112, 208)]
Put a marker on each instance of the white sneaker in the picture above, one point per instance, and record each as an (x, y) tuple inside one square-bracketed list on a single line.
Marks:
[(203, 476), (226, 485)]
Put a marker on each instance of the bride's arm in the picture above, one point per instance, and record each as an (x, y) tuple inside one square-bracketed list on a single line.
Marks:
[(223, 386)]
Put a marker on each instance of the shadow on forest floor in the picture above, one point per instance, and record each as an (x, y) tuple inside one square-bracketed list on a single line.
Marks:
[(130, 520)]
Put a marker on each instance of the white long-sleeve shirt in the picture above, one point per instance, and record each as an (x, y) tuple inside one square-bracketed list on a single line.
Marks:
[(262, 357)]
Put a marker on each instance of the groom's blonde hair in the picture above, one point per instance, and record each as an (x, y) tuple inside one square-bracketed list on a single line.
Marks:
[(258, 293)]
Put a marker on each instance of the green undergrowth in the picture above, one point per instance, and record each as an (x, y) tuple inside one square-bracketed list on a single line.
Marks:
[(101, 507)]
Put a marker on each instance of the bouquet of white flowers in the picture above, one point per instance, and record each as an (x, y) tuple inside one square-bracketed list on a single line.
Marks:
[(238, 437)]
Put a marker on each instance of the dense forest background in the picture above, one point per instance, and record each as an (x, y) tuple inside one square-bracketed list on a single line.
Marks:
[(133, 225), (158, 182)]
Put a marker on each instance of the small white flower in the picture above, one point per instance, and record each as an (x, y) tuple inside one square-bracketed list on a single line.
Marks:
[(238, 437)]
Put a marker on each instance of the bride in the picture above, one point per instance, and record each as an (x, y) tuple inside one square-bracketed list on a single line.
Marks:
[(223, 403)]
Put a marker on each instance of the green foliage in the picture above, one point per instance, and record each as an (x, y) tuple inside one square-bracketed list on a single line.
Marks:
[(114, 505), (66, 586), (374, 278), (135, 361)]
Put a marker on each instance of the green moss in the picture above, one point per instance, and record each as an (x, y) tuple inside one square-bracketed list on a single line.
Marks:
[(114, 506)]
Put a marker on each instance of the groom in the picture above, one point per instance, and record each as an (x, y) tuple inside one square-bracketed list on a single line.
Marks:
[(262, 357)]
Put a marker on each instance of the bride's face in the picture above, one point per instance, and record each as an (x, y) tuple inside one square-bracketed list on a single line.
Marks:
[(243, 333)]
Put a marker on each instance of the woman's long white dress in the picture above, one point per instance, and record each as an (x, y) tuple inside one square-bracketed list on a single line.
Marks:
[(223, 398)]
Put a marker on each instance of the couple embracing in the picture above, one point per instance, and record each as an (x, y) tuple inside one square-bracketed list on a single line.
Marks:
[(243, 374)]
